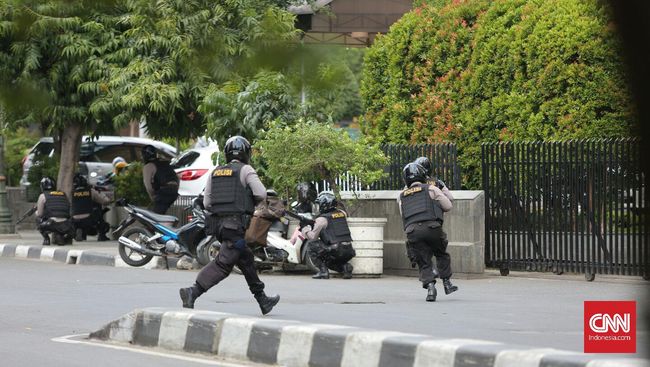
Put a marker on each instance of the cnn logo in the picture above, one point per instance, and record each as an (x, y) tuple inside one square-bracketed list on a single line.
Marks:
[(604, 323), (610, 327)]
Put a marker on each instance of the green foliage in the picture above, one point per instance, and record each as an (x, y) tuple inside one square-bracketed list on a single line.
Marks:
[(43, 166), (130, 185), (312, 151), (476, 71), (17, 145)]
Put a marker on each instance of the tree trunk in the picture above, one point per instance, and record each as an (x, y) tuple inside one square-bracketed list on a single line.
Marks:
[(70, 145)]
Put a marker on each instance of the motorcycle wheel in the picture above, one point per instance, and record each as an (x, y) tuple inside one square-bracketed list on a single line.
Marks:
[(310, 264), (132, 257), (208, 252)]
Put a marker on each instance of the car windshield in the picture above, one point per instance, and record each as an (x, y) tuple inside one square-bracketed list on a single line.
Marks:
[(43, 149), (186, 159)]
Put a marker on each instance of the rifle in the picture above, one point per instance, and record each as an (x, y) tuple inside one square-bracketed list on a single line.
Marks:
[(303, 220), (27, 214)]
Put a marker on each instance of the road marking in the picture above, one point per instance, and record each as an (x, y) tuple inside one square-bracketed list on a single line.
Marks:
[(70, 339)]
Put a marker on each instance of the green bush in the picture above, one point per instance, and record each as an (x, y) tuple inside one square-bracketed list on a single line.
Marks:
[(43, 166), (476, 71), (17, 145), (129, 185)]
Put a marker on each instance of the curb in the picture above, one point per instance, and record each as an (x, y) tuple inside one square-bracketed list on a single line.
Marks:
[(296, 344), (77, 257)]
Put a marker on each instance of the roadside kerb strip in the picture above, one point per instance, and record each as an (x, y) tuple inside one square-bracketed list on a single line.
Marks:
[(295, 344), (73, 256)]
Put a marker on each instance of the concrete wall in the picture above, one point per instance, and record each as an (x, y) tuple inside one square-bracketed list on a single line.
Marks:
[(464, 225), (18, 205)]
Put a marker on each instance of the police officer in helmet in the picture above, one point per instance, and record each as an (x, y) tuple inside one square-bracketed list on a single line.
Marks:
[(160, 180), (53, 213), (87, 210), (428, 168), (422, 206), (230, 196), (334, 249)]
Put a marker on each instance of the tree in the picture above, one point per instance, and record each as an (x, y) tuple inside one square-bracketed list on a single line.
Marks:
[(312, 151)]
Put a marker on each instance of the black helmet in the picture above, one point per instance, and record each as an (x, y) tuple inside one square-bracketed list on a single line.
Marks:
[(306, 191), (414, 172), (426, 164), (47, 183), (237, 147), (79, 181), (149, 153), (270, 193), (326, 201)]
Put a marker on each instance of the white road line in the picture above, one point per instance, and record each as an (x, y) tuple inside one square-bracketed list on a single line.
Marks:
[(68, 339)]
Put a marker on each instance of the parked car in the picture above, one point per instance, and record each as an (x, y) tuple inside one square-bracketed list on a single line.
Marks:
[(96, 155), (193, 167)]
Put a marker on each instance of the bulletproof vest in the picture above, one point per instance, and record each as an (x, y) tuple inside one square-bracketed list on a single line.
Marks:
[(337, 229), (417, 206), (228, 195), (82, 201), (56, 205), (164, 175)]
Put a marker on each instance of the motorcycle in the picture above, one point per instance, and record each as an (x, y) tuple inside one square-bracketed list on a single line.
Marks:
[(138, 245)]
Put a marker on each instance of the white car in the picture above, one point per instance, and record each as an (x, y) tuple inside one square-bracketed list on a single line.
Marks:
[(193, 167)]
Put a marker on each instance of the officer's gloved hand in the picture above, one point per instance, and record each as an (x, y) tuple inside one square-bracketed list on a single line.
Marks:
[(240, 244), (440, 184)]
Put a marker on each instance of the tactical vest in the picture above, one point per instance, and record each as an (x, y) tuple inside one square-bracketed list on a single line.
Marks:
[(56, 205), (82, 201), (228, 195), (337, 229), (417, 206), (164, 175)]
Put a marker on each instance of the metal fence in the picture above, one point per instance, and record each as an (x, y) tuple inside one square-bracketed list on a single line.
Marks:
[(575, 206), (444, 159)]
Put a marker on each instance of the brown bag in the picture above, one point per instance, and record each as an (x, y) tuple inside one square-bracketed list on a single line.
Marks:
[(257, 231)]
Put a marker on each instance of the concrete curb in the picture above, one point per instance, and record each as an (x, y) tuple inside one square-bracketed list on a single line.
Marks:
[(295, 344), (73, 256)]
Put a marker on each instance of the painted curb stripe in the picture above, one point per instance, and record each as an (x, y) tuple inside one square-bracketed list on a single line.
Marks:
[(147, 328), (47, 254), (60, 255), (34, 252), (21, 251), (441, 353), (202, 332), (522, 358), (327, 347), (364, 348), (400, 351), (264, 342), (235, 334), (296, 343), (173, 329)]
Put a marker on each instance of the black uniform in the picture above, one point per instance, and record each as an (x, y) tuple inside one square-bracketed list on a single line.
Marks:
[(164, 186), (92, 211), (422, 217), (334, 249), (56, 217)]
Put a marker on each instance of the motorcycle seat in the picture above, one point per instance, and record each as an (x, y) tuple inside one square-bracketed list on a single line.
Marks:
[(157, 217)]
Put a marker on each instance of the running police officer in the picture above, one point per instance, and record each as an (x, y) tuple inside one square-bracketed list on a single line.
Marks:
[(160, 180), (422, 206), (334, 249), (53, 213), (230, 196), (87, 210)]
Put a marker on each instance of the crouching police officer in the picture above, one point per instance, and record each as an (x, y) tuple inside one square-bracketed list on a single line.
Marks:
[(230, 196), (87, 210), (334, 249), (53, 213), (422, 206), (160, 180)]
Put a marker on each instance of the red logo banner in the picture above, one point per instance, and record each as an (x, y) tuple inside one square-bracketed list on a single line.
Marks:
[(610, 327)]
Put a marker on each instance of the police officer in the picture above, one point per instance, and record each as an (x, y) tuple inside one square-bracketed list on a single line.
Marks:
[(334, 249), (87, 210), (422, 206), (230, 196), (53, 213), (160, 180)]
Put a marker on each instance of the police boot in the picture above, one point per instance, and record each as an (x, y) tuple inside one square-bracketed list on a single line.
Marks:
[(46, 240), (449, 288), (431, 292), (188, 297), (323, 273), (101, 237), (347, 271), (266, 303), (58, 239), (79, 235)]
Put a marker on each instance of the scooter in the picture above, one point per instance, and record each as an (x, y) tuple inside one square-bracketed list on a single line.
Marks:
[(138, 245)]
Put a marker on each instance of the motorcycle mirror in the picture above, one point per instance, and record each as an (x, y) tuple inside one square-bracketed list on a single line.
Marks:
[(294, 204)]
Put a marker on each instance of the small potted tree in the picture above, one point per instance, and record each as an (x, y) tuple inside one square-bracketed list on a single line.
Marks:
[(315, 152)]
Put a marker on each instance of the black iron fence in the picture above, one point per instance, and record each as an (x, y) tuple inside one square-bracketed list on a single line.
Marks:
[(575, 206), (444, 160)]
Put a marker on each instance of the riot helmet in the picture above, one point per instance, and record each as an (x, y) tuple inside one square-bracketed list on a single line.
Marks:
[(47, 184), (237, 147), (426, 164), (79, 181), (306, 192), (326, 201), (270, 193), (149, 153), (414, 172), (117, 161)]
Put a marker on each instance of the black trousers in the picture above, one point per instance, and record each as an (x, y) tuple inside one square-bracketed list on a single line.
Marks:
[(334, 256), (427, 240), (163, 199), (63, 229), (93, 224), (233, 252)]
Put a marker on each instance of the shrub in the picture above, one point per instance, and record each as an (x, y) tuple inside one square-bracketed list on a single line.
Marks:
[(17, 145), (129, 185)]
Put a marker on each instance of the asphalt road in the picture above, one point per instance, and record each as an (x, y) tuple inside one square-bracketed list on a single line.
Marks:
[(42, 300)]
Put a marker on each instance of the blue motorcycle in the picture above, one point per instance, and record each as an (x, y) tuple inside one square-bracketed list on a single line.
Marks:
[(158, 235)]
